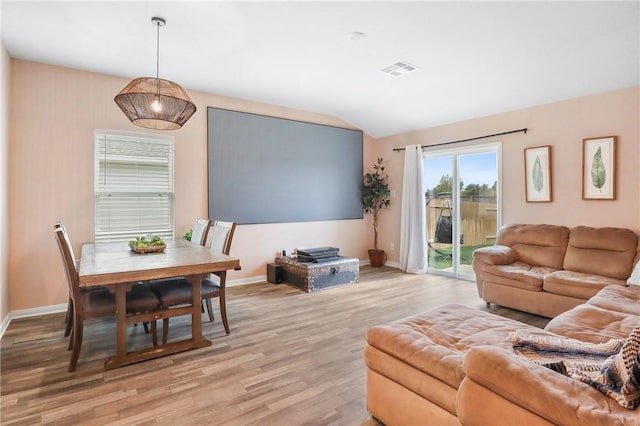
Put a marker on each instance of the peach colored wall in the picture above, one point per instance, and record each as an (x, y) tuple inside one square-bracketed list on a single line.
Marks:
[(4, 134), (562, 125), (54, 112)]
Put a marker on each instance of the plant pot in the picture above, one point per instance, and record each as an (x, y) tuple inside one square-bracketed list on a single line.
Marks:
[(377, 257)]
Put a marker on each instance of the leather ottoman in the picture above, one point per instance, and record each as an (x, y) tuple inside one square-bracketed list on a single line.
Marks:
[(414, 365)]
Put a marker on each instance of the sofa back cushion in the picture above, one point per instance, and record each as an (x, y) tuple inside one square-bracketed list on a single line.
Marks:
[(602, 251), (539, 245)]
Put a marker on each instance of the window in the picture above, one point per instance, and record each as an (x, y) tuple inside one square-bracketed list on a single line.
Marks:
[(133, 186)]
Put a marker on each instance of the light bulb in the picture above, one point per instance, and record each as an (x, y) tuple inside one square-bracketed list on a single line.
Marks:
[(156, 106)]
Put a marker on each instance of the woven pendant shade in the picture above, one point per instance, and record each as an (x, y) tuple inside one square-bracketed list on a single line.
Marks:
[(166, 107), (155, 103)]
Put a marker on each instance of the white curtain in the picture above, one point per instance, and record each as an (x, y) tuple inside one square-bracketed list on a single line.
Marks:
[(413, 220)]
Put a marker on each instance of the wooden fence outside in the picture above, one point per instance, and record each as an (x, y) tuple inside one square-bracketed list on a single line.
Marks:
[(478, 219)]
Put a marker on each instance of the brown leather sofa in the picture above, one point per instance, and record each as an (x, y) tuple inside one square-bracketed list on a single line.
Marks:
[(455, 365), (549, 269)]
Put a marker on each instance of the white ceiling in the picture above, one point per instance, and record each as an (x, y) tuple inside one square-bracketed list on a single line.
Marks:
[(474, 59)]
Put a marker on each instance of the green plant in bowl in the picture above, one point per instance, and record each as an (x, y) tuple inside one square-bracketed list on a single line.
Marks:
[(148, 244)]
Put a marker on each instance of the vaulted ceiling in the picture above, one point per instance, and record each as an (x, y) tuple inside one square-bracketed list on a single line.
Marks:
[(472, 59)]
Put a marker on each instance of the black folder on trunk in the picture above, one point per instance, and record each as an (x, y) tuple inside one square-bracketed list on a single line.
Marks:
[(318, 255)]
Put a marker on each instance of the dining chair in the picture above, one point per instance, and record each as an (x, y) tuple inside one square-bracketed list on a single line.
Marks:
[(88, 305), (69, 316), (220, 242), (177, 292), (200, 231), (199, 234)]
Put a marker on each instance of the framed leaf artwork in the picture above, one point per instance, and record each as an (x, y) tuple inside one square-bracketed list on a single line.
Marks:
[(537, 174), (599, 168)]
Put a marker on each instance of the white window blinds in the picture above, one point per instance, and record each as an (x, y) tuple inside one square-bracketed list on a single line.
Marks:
[(133, 186)]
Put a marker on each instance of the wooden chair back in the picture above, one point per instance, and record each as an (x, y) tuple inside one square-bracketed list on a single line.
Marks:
[(66, 236), (69, 260), (222, 236), (200, 231)]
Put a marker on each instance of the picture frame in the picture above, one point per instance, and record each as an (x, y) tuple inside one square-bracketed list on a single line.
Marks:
[(599, 164), (537, 174)]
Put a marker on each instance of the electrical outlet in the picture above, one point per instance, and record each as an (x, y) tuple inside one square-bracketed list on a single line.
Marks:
[(393, 247), (393, 193)]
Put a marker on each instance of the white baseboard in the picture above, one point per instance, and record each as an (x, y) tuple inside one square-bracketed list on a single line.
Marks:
[(244, 281), (261, 278), (41, 310), (31, 312), (391, 264), (52, 309), (5, 323)]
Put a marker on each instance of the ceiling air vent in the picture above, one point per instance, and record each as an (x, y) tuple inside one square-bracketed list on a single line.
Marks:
[(398, 68)]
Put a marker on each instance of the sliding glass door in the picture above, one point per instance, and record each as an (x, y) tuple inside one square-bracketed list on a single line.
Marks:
[(463, 206)]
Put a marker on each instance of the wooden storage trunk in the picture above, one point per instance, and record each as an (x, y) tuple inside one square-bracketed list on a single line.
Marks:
[(309, 276)]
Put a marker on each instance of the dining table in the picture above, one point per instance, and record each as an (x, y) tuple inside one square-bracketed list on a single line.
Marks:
[(116, 266)]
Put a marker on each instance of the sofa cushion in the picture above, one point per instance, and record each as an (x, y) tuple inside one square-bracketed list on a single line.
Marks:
[(435, 341), (517, 274), (496, 255), (618, 298), (428, 387), (577, 284), (602, 251), (541, 245), (590, 323)]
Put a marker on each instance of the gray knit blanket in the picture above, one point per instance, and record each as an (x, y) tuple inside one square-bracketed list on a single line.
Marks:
[(611, 367)]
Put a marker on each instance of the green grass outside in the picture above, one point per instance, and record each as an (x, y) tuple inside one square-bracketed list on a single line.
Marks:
[(444, 260)]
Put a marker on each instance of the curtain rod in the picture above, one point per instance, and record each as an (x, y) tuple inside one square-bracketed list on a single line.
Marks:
[(470, 139)]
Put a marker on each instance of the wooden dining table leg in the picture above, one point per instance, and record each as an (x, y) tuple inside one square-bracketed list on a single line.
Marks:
[(196, 301), (121, 321), (223, 301)]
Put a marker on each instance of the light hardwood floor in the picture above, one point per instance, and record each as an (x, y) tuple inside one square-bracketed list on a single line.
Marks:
[(292, 358)]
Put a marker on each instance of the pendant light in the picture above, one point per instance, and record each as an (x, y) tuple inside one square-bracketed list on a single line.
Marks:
[(155, 103)]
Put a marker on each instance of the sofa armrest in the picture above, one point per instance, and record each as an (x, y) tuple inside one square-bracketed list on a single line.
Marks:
[(539, 390), (496, 255)]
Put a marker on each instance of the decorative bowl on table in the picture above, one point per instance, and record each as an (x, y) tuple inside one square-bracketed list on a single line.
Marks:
[(148, 244), (149, 249)]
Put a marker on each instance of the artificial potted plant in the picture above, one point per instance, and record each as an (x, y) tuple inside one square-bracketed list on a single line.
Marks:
[(375, 197)]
